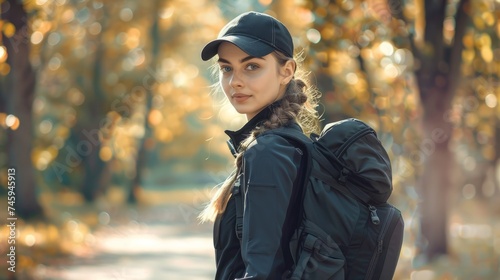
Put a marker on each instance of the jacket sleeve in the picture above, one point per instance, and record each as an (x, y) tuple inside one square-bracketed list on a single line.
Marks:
[(270, 168)]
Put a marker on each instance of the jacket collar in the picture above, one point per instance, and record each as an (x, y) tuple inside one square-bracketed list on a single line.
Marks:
[(236, 137)]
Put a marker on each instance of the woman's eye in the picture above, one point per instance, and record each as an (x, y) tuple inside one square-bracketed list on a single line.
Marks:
[(225, 69), (252, 67)]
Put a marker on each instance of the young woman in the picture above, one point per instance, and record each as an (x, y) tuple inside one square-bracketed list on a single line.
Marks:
[(258, 75)]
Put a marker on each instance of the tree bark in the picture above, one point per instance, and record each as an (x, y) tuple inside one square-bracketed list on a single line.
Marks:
[(89, 132), (142, 153), (435, 182), (19, 93), (437, 79)]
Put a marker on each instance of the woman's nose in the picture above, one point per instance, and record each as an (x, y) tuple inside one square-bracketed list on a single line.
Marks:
[(236, 80)]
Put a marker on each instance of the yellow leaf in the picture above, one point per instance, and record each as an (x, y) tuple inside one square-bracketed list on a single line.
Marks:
[(478, 22), (487, 54), (9, 29), (468, 41), (468, 55), (485, 40), (30, 5), (489, 18)]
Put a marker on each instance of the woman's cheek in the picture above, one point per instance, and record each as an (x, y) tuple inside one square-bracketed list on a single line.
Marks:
[(224, 86)]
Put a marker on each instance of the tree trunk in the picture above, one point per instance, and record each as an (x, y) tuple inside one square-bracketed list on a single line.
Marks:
[(89, 131), (435, 181), (19, 93), (142, 153), (437, 79), (94, 166)]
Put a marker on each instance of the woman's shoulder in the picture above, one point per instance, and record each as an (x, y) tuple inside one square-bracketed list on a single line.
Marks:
[(272, 151), (272, 142)]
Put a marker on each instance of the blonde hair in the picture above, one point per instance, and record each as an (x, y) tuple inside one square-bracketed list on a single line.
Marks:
[(298, 104)]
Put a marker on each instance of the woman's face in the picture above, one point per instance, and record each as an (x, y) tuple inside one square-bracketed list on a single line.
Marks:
[(251, 83)]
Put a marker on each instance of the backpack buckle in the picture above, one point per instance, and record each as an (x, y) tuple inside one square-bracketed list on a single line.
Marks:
[(239, 230), (344, 173)]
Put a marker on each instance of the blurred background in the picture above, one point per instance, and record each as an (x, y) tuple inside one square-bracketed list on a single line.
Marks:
[(116, 142)]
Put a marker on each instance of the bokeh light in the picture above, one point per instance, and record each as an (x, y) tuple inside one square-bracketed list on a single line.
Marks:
[(12, 122)]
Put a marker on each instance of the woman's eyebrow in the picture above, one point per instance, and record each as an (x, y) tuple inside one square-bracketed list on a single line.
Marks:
[(250, 58), (222, 60)]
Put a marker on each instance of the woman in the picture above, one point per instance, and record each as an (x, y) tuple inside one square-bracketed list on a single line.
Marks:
[(258, 76)]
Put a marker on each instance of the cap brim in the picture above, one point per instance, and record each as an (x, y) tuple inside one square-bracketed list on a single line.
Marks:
[(251, 46)]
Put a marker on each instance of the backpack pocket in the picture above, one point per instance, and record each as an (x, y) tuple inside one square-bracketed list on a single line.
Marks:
[(318, 259)]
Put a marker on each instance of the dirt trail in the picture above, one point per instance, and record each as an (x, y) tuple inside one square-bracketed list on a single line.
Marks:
[(161, 242)]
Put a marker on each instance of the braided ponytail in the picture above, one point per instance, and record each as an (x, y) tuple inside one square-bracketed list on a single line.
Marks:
[(298, 104)]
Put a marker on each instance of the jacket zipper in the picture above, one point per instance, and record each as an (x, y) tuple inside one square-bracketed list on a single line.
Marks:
[(380, 244)]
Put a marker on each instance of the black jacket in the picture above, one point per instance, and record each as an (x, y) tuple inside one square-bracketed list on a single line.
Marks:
[(270, 167)]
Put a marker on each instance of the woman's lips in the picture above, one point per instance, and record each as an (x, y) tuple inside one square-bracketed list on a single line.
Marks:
[(240, 97)]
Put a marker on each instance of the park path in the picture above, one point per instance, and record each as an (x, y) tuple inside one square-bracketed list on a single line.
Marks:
[(160, 242)]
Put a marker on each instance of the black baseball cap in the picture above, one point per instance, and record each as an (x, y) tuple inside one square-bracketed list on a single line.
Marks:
[(255, 33)]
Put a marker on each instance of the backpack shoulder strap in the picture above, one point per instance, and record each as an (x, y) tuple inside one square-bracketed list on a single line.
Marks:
[(238, 200), (295, 209)]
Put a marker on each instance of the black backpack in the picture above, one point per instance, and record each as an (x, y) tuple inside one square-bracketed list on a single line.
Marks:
[(343, 228)]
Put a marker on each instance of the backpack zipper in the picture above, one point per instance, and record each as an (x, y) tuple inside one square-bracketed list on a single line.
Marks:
[(373, 214), (380, 244), (352, 139), (345, 172)]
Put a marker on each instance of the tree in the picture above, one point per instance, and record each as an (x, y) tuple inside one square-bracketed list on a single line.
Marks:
[(18, 92), (438, 77), (142, 152), (88, 130)]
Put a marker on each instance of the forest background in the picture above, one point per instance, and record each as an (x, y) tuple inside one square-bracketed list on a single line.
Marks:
[(108, 122)]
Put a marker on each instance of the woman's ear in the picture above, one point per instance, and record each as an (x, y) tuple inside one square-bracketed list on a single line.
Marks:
[(288, 71)]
